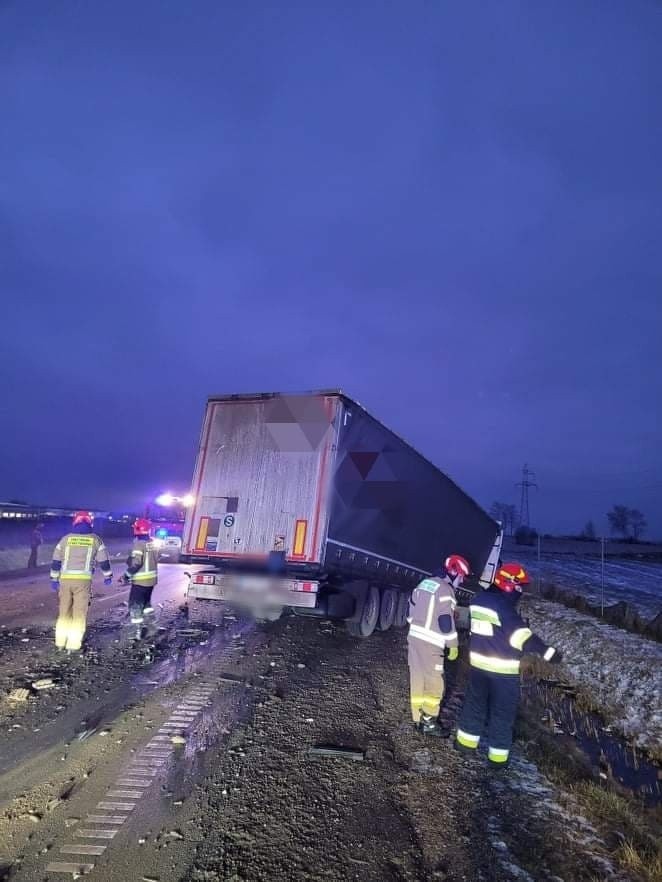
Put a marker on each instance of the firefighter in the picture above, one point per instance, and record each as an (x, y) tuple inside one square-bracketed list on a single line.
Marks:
[(499, 637), (431, 633), (74, 559), (141, 571)]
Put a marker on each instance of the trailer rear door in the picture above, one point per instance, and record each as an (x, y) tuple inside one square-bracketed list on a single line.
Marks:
[(262, 477)]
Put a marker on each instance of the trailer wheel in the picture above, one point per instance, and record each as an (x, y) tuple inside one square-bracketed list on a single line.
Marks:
[(401, 612), (369, 614), (388, 608)]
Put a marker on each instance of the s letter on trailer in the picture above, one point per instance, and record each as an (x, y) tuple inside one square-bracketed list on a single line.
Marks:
[(307, 503)]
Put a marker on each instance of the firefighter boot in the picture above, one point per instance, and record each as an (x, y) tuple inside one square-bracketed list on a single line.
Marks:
[(445, 725), (429, 726)]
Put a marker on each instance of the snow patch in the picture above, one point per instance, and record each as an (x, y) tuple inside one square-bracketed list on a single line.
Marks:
[(623, 671)]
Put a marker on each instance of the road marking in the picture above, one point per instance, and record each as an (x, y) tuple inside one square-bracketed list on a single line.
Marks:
[(126, 806), (134, 782), (83, 849), (141, 772), (95, 834), (69, 868)]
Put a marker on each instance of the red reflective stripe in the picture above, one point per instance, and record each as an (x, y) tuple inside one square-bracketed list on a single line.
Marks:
[(309, 587)]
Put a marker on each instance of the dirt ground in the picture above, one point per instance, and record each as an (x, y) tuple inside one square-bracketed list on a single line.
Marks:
[(246, 800), (412, 809)]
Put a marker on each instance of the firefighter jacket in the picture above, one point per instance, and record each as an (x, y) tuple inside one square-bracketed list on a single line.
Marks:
[(499, 635), (431, 612), (142, 563), (76, 555)]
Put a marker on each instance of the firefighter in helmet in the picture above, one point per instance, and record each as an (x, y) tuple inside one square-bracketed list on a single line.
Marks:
[(499, 637), (432, 635), (72, 568), (141, 571)]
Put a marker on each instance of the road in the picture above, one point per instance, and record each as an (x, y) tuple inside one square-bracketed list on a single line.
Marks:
[(187, 758), (28, 602)]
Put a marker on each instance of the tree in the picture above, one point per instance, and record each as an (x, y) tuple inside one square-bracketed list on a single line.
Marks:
[(637, 523), (507, 514), (619, 519), (589, 530)]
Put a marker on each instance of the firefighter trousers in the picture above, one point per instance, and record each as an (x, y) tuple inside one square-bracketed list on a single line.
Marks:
[(426, 677), (72, 618), (491, 699), (140, 597)]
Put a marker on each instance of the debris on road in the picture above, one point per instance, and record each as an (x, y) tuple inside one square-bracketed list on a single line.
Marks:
[(332, 752), (43, 683), (174, 835), (18, 695)]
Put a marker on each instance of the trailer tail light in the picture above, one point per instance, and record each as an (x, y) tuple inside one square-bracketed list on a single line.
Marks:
[(299, 547), (203, 579), (308, 587)]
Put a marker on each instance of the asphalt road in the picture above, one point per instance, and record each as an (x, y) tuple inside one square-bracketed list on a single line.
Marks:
[(28, 601)]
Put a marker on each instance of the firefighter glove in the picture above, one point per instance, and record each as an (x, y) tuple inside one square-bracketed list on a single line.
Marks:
[(54, 585), (451, 653)]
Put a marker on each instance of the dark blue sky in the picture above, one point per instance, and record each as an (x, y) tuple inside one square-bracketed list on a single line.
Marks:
[(453, 211)]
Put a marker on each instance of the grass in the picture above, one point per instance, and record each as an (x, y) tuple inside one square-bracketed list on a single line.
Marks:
[(648, 867)]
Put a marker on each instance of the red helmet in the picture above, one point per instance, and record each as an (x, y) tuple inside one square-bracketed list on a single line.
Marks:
[(142, 527), (83, 517), (456, 565), (510, 577)]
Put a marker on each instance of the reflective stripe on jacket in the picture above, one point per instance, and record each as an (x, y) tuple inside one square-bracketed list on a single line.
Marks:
[(499, 635), (142, 564), (76, 555), (431, 612)]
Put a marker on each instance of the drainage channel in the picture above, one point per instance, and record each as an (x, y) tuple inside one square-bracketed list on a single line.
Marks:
[(610, 754)]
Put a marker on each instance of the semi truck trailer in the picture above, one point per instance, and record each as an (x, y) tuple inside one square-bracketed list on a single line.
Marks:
[(307, 504)]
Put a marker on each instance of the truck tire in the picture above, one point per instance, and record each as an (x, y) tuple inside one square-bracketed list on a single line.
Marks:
[(401, 612), (388, 608), (369, 615)]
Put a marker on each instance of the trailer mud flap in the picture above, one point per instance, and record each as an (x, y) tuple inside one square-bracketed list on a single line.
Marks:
[(341, 605), (356, 592)]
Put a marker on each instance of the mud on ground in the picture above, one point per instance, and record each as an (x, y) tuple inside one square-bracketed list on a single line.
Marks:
[(412, 809)]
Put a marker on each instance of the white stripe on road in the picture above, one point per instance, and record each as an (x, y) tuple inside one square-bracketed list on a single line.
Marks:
[(141, 773)]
